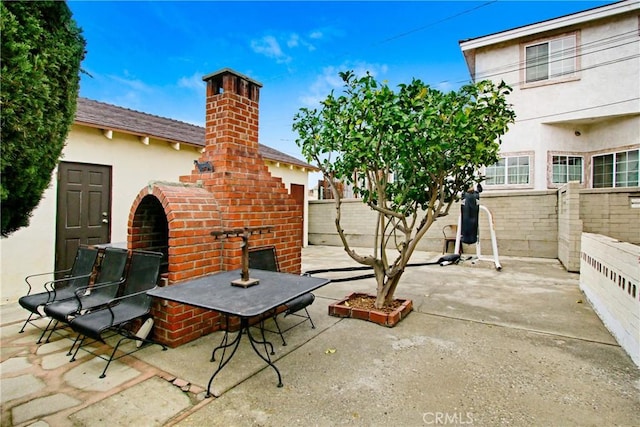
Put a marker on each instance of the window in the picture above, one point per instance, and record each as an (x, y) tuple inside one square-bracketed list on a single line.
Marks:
[(518, 170), (616, 169), (495, 174), (550, 59), (566, 168), (627, 169), (509, 171), (603, 171)]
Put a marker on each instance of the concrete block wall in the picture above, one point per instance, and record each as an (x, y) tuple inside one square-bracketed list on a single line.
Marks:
[(610, 279), (526, 224), (609, 212), (356, 219), (569, 226), (359, 222)]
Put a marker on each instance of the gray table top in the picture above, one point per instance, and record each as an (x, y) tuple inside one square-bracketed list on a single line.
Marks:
[(215, 292)]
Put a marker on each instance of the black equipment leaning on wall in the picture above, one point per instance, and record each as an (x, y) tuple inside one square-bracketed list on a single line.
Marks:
[(469, 211)]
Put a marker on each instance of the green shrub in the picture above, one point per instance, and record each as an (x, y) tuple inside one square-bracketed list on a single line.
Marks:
[(42, 48)]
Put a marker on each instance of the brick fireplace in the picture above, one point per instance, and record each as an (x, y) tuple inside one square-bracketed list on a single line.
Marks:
[(177, 218)]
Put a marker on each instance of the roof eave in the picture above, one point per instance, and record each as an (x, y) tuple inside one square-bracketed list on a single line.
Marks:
[(130, 132), (192, 144), (551, 24)]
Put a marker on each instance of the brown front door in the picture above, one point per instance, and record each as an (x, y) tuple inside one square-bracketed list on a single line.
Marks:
[(297, 191), (83, 209)]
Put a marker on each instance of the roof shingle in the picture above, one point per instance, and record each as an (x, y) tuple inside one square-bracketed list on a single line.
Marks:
[(107, 116)]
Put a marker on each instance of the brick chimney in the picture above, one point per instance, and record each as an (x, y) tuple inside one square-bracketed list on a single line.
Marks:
[(231, 134), (239, 192)]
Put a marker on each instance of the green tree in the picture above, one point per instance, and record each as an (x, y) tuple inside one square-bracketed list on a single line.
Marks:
[(408, 154), (42, 48)]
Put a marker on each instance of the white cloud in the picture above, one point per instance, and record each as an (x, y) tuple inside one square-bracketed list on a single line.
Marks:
[(308, 45), (376, 70), (193, 82), (299, 41), (293, 41), (445, 86), (134, 84), (274, 46), (330, 80), (316, 35), (269, 47), (131, 98)]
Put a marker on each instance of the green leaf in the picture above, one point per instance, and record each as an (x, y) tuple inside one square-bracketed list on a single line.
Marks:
[(414, 143)]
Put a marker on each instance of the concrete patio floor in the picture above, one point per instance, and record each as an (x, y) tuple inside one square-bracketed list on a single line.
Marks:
[(519, 347)]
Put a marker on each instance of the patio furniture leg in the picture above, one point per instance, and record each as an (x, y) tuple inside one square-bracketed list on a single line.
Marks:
[(78, 337), (275, 320), (223, 362), (55, 325), (113, 353), (127, 335), (44, 331), (25, 323), (244, 327), (264, 340), (310, 320), (224, 344), (265, 358), (73, 358)]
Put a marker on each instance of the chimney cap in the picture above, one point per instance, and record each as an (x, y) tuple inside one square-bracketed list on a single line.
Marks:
[(224, 71)]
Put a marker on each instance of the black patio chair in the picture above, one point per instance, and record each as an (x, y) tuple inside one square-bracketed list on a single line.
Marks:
[(266, 259), (76, 277), (105, 287), (121, 313)]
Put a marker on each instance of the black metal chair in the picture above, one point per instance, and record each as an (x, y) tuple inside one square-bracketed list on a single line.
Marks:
[(105, 287), (120, 314), (266, 259), (76, 277)]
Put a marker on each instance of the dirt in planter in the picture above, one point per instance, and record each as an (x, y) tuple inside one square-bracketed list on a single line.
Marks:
[(367, 302)]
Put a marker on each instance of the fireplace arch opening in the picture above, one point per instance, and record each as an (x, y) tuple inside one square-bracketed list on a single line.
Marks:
[(150, 229)]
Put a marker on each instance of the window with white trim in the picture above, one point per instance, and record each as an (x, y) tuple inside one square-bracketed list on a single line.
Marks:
[(508, 171), (566, 168), (616, 169), (551, 59)]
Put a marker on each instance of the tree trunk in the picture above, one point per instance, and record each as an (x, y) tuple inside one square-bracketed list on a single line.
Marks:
[(386, 286)]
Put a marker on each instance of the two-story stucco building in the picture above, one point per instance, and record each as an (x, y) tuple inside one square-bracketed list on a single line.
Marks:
[(576, 94), (576, 82)]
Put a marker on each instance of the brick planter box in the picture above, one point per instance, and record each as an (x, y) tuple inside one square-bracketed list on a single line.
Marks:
[(342, 308)]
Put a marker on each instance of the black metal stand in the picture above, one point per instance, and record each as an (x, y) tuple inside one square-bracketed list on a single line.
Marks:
[(245, 281)]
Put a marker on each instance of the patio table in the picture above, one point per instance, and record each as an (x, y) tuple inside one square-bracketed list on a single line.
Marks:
[(215, 292)]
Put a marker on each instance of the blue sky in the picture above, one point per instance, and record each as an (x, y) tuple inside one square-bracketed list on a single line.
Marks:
[(151, 56)]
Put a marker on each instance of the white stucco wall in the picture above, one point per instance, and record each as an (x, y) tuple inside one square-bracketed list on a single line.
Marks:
[(549, 113), (134, 164), (32, 249)]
